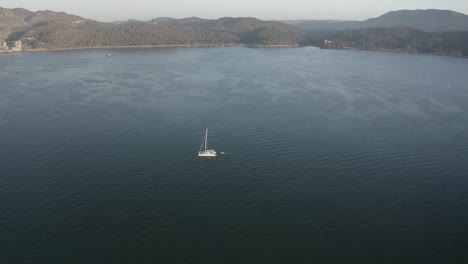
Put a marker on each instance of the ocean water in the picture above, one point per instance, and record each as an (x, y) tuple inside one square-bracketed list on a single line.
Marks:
[(331, 157)]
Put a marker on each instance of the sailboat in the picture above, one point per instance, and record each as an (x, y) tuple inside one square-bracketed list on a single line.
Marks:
[(204, 152)]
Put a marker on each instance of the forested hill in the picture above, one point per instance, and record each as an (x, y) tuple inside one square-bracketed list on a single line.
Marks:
[(53, 30), (48, 29), (401, 39), (426, 20)]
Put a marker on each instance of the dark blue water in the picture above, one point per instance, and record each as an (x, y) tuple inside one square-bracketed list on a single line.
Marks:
[(331, 157)]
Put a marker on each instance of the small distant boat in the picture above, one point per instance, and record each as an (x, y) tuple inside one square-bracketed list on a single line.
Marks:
[(204, 152), (109, 55)]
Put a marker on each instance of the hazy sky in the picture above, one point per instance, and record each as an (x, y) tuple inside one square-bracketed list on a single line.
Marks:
[(110, 10)]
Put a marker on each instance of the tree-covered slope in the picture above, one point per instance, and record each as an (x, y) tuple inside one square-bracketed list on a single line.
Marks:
[(402, 39), (52, 30), (48, 29)]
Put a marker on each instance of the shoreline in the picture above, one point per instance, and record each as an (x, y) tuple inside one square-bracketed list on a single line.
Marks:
[(157, 46), (398, 51), (255, 46), (133, 47)]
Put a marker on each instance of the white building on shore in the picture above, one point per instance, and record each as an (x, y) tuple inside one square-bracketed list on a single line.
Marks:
[(3, 46), (14, 47)]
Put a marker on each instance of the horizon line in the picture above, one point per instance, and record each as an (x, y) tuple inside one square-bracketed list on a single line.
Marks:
[(295, 19)]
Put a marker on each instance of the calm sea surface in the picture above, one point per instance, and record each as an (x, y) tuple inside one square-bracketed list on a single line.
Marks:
[(331, 157)]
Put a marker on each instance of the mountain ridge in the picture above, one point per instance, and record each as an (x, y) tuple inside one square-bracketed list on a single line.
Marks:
[(46, 29), (429, 20), (49, 29)]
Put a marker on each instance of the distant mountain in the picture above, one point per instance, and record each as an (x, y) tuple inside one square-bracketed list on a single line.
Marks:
[(425, 20), (174, 21), (328, 25), (126, 21), (292, 22)]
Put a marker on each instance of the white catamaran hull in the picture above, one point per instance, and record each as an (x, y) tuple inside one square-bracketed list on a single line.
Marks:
[(207, 153)]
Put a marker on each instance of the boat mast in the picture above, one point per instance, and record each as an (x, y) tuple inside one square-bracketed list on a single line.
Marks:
[(206, 138), (203, 141)]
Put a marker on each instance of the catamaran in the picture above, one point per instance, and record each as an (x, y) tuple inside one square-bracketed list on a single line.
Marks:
[(206, 153)]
